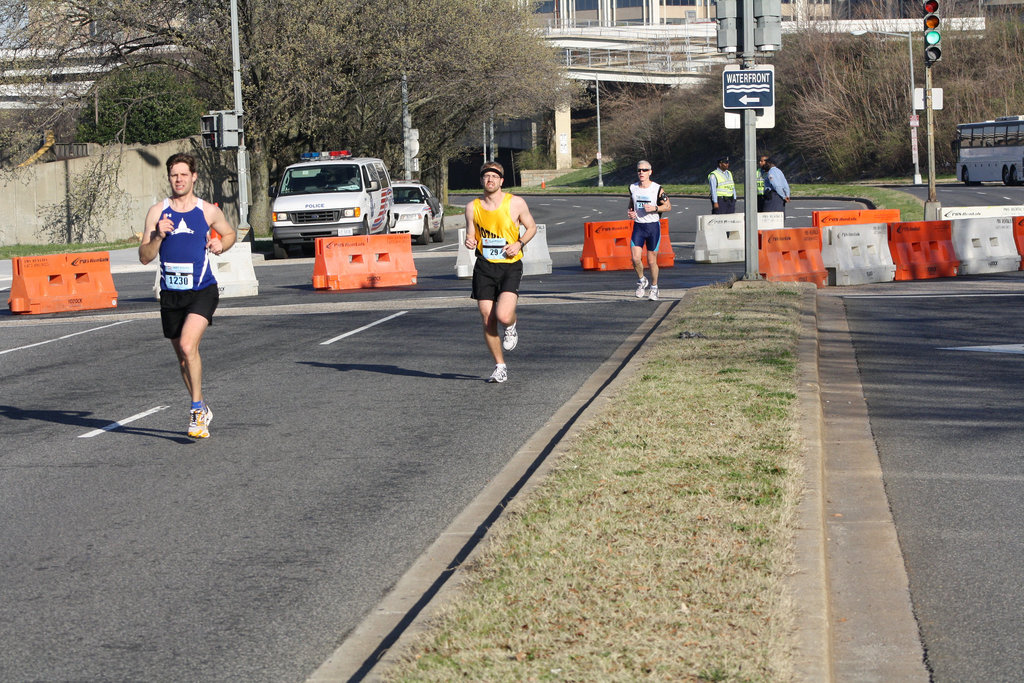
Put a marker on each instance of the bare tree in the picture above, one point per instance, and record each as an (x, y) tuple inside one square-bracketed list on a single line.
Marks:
[(314, 74)]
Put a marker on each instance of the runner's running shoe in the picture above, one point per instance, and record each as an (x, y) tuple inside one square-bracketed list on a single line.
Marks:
[(653, 296), (511, 338), (499, 375), (641, 285), (199, 422)]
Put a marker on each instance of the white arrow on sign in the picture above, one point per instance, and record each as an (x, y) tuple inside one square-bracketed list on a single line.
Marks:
[(747, 100)]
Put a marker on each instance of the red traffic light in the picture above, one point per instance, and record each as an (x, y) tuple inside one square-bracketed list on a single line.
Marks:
[(931, 6)]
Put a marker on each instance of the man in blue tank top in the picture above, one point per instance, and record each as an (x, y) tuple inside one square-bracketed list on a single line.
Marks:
[(183, 231)]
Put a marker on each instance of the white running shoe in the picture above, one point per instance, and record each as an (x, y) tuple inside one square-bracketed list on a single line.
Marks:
[(653, 296), (199, 422), (641, 285), (499, 375), (511, 338)]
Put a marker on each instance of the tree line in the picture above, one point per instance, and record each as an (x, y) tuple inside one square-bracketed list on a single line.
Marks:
[(314, 75), (329, 75), (842, 105)]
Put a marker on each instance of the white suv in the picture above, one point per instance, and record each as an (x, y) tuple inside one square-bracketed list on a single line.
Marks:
[(330, 194), (417, 211)]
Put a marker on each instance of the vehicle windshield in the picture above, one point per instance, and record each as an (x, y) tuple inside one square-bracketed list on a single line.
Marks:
[(408, 195), (318, 179)]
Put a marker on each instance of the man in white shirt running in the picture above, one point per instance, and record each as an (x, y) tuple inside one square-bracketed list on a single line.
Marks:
[(647, 201)]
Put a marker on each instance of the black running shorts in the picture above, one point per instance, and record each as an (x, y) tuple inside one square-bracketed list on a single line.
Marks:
[(175, 307), (491, 279)]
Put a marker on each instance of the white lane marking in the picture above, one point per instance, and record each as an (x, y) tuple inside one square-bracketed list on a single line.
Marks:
[(121, 423), (442, 246), (998, 348), (66, 336), (364, 327), (949, 295)]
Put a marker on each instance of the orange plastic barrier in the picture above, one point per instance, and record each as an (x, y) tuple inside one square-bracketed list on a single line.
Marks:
[(791, 255), (606, 246), (1018, 237), (923, 250), (364, 262), (821, 219), (62, 282)]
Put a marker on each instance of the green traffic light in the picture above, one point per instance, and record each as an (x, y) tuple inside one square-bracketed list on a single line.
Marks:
[(932, 37)]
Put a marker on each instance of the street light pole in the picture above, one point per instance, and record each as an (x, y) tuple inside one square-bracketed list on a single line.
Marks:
[(597, 91), (913, 128)]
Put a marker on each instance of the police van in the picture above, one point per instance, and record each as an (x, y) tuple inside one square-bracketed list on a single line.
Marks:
[(330, 194)]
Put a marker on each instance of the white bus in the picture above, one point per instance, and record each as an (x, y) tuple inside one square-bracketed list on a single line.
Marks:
[(990, 151)]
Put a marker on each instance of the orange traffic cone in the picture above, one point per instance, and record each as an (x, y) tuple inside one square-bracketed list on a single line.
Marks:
[(542, 184)]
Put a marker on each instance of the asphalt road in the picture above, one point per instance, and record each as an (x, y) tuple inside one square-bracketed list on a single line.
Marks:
[(350, 428), (941, 367)]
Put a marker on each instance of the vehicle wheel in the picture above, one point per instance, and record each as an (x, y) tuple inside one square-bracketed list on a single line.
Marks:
[(1014, 178), (1006, 176), (965, 176), (279, 251), (425, 235), (439, 235), (366, 226)]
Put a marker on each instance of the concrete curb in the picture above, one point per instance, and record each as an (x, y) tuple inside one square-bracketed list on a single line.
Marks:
[(873, 631), (809, 583), (436, 576)]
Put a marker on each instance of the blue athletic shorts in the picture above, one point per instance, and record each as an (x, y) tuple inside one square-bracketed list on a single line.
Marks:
[(648, 234)]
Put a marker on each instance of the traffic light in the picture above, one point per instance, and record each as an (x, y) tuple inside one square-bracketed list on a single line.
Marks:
[(932, 35), (768, 25), (209, 128), (230, 128), (730, 27)]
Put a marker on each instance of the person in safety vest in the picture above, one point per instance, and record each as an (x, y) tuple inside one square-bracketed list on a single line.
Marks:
[(647, 201), (183, 231), (492, 229), (762, 172), (723, 189)]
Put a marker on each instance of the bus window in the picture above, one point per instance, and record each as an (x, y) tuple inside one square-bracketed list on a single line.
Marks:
[(1013, 134)]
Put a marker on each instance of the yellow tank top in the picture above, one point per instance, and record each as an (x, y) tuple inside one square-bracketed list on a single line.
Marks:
[(495, 229)]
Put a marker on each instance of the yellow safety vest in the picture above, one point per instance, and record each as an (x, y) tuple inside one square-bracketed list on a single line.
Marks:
[(726, 187)]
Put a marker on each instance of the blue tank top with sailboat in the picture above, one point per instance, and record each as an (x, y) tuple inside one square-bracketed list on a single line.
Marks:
[(184, 260)]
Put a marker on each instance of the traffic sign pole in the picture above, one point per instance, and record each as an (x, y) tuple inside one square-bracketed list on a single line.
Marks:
[(749, 155)]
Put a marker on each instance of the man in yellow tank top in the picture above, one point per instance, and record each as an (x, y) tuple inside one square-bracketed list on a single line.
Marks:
[(492, 229)]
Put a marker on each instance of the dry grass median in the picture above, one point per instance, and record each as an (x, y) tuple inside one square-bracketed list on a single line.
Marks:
[(659, 546)]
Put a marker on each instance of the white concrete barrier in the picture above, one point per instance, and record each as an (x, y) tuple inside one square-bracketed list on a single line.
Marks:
[(536, 256), (857, 254), (951, 213), (234, 272), (985, 245), (720, 237)]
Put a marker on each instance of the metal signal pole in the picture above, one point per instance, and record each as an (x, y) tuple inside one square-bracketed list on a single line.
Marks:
[(243, 157)]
